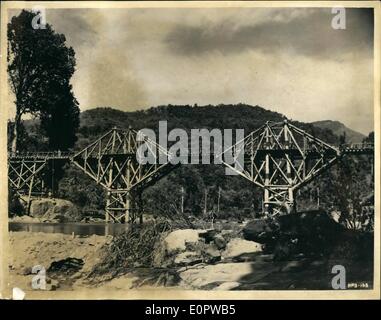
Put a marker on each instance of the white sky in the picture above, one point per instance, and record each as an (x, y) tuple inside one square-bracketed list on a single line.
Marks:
[(287, 60)]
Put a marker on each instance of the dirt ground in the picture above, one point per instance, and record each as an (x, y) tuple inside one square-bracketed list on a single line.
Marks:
[(29, 249)]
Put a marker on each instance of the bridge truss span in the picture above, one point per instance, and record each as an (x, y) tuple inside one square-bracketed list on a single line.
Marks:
[(111, 161), (278, 157)]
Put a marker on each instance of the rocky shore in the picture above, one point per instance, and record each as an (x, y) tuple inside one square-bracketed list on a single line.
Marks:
[(284, 256)]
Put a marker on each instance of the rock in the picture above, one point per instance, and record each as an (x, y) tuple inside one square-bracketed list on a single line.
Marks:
[(311, 232), (226, 232), (187, 258), (246, 257), (67, 266), (284, 250), (39, 207), (208, 235), (309, 224), (335, 215), (212, 254), (24, 219), (182, 269), (229, 234), (60, 210), (220, 242), (260, 230), (237, 247), (177, 240)]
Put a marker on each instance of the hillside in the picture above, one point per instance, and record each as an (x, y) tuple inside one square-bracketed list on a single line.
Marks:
[(340, 129), (94, 122)]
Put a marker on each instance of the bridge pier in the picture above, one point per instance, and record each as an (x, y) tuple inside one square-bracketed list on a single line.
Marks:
[(291, 200), (127, 208), (119, 206), (124, 206), (25, 176)]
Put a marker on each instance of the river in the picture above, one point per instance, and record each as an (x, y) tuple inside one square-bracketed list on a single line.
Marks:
[(77, 228)]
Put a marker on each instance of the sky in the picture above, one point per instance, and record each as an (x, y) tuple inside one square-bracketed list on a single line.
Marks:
[(288, 60)]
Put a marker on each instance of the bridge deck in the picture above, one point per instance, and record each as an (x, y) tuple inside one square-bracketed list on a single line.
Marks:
[(53, 155), (356, 148)]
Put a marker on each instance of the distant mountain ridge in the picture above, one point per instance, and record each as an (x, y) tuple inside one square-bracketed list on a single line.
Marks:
[(339, 129), (97, 121), (223, 116)]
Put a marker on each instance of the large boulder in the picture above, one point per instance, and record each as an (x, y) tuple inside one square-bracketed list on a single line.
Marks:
[(309, 232), (178, 240), (39, 207), (211, 254), (313, 233), (260, 230), (186, 247), (237, 247), (208, 235), (220, 242), (59, 210)]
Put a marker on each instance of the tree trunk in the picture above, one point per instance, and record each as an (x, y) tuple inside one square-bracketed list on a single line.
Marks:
[(16, 130)]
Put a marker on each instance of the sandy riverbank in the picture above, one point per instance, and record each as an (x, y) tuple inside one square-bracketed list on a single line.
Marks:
[(28, 249), (251, 272)]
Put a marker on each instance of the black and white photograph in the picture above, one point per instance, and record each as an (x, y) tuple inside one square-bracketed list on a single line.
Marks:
[(190, 150)]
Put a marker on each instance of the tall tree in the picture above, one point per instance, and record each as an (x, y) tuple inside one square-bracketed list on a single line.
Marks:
[(60, 118), (40, 66)]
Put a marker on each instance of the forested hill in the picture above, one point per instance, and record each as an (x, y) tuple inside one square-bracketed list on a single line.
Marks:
[(94, 122), (338, 128)]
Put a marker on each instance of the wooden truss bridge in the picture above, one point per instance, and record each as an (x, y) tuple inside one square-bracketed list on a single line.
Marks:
[(278, 157), (281, 158)]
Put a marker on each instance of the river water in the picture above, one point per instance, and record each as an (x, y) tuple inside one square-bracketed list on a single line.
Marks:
[(77, 228)]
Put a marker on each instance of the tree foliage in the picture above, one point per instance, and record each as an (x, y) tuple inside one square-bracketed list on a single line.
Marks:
[(40, 66)]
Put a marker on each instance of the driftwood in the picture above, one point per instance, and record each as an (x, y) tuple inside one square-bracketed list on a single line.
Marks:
[(134, 248)]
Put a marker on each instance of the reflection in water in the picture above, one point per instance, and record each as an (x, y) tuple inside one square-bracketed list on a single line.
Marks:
[(83, 229)]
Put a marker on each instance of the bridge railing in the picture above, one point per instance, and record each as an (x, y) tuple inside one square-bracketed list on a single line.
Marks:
[(40, 155), (247, 149), (357, 146)]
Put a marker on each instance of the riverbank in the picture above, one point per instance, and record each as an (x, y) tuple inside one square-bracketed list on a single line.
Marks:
[(69, 260), (29, 249)]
